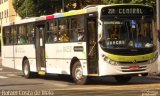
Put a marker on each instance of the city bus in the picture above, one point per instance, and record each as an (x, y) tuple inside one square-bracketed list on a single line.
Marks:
[(116, 40)]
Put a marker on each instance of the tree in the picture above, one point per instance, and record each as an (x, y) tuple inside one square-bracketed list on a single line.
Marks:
[(116, 1), (146, 2), (31, 8), (78, 4)]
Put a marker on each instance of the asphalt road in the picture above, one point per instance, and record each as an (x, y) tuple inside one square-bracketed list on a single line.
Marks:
[(12, 83)]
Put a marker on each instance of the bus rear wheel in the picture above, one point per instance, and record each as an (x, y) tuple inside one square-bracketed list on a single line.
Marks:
[(26, 69), (123, 79), (77, 74)]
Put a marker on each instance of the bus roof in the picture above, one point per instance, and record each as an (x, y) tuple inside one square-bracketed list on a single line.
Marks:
[(26, 20)]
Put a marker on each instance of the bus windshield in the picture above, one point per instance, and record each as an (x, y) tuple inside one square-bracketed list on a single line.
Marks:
[(134, 33)]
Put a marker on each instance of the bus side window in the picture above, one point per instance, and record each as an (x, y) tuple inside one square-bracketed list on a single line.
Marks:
[(12, 35), (22, 35), (6, 32), (77, 29), (30, 33), (49, 37), (81, 34), (63, 31), (55, 31), (52, 31), (74, 26)]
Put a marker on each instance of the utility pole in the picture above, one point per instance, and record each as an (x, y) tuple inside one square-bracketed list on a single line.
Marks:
[(158, 15), (1, 40), (63, 5), (158, 30)]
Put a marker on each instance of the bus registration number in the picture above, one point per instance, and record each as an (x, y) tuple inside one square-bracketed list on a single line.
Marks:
[(134, 67)]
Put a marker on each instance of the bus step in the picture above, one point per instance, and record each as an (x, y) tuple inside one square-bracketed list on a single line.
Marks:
[(41, 72), (92, 74)]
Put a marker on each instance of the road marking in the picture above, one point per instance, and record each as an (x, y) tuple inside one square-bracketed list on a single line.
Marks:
[(110, 93), (1, 69), (135, 87), (11, 75), (11, 72), (3, 77), (61, 85)]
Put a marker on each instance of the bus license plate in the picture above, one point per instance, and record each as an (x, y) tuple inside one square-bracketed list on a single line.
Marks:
[(134, 67)]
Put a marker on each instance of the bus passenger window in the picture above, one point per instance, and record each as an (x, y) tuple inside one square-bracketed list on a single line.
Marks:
[(64, 37), (30, 33), (22, 35), (55, 37), (21, 40), (81, 34), (63, 31), (77, 29), (52, 30), (7, 38)]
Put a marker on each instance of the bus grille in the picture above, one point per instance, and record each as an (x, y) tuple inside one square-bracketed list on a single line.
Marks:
[(128, 69), (137, 62)]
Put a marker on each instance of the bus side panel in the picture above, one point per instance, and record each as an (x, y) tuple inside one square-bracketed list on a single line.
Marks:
[(7, 56), (104, 67), (53, 53), (59, 56), (21, 51)]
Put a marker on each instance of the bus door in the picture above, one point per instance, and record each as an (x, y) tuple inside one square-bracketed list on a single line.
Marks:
[(92, 45), (40, 49)]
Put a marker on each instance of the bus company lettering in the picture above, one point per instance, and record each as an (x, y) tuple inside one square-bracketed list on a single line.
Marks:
[(67, 49), (116, 42), (123, 11), (19, 50)]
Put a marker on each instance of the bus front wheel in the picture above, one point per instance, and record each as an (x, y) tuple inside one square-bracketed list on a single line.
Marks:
[(123, 79), (26, 69), (77, 74)]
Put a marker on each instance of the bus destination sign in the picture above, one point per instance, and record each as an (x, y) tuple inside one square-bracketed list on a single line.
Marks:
[(123, 11), (127, 10)]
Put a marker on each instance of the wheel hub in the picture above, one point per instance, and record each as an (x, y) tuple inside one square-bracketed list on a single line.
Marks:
[(78, 73), (26, 70)]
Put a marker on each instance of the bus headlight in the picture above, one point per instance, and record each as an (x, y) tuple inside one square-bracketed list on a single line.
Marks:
[(106, 59), (154, 59), (112, 62)]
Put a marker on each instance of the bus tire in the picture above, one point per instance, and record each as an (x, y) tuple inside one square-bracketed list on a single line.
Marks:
[(26, 69), (123, 79), (77, 74)]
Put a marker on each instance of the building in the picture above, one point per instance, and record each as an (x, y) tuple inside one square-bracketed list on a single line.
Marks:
[(7, 12)]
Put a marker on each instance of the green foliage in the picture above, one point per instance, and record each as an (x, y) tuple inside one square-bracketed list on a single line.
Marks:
[(17, 4), (116, 1), (146, 2), (24, 8), (30, 8)]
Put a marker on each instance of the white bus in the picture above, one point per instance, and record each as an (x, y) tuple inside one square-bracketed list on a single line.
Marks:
[(104, 40)]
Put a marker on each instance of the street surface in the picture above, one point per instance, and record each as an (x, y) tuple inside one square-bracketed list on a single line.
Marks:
[(13, 82)]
